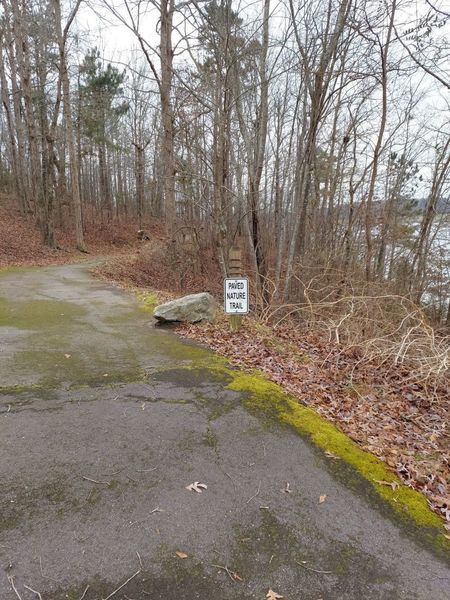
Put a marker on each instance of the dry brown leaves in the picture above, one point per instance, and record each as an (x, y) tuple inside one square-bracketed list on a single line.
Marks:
[(400, 422), (20, 242)]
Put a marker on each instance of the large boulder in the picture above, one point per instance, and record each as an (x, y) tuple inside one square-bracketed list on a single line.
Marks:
[(190, 309)]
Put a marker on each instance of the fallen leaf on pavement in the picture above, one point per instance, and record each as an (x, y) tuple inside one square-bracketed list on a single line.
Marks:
[(322, 498), (197, 487), (181, 554), (271, 595)]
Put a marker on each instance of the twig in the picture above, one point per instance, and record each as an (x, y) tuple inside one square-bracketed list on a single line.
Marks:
[(231, 574), (84, 593), (140, 559), (155, 510), (145, 470), (95, 481), (314, 570), (11, 581), (230, 478), (122, 586), (34, 591), (254, 495)]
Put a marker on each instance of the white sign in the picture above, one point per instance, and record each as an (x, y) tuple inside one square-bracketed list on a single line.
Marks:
[(236, 296)]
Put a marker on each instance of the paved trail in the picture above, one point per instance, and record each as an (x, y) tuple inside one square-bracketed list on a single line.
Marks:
[(102, 427)]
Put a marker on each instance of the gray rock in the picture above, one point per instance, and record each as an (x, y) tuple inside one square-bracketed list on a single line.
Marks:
[(190, 309)]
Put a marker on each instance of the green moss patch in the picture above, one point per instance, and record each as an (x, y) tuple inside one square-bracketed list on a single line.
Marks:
[(17, 269), (263, 395), (148, 301), (37, 314)]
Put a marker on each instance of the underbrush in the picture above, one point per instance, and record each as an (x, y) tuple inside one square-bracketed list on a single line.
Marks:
[(162, 265), (370, 318)]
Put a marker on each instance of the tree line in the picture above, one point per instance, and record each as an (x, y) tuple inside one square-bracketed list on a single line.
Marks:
[(315, 135)]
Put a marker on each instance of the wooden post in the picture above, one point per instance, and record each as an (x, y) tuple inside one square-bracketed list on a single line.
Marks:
[(235, 270)]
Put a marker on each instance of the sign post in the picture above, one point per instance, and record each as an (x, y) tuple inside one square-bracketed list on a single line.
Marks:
[(236, 292)]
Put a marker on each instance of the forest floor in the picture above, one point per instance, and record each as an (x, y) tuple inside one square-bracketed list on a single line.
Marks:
[(21, 245), (402, 421)]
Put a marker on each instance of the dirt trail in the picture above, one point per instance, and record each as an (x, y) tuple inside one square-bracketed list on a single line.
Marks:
[(104, 421)]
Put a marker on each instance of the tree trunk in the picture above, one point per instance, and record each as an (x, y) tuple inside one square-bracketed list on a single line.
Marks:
[(167, 155), (70, 135)]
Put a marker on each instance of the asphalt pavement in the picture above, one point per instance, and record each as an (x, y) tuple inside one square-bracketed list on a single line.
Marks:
[(106, 420)]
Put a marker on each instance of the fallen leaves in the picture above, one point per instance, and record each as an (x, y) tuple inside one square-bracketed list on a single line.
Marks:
[(271, 595), (115, 237), (181, 554), (322, 498), (197, 486)]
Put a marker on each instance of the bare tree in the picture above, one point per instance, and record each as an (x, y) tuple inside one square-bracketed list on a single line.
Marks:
[(62, 35)]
